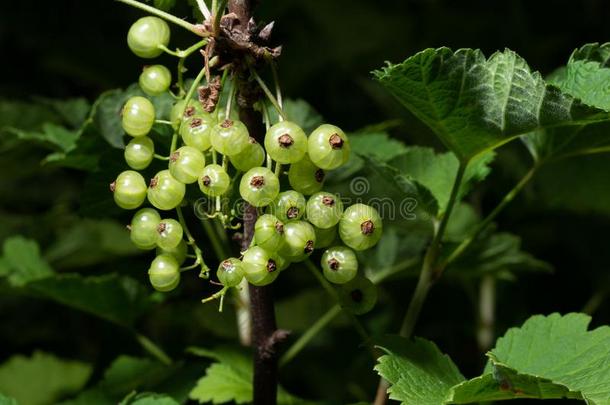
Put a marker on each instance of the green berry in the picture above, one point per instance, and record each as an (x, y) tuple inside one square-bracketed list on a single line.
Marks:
[(360, 227), (214, 180), (196, 130), (146, 35), (165, 192), (143, 228), (269, 233), (286, 142), (179, 252), (305, 177), (186, 164), (164, 273), (325, 237), (339, 264), (328, 147), (139, 152), (324, 210), (138, 116), (179, 113), (129, 190), (155, 80), (259, 186), (260, 267), (169, 233), (230, 137), (358, 296), (299, 240), (230, 272), (253, 155), (288, 205)]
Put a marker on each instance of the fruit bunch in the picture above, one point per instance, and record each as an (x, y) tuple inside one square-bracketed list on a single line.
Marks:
[(212, 150)]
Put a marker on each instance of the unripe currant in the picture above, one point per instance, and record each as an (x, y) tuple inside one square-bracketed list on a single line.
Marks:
[(139, 152), (146, 35), (164, 273), (324, 210), (230, 137), (196, 130), (260, 266), (179, 252), (358, 296), (269, 232), (164, 191), (305, 177), (230, 272), (138, 116), (253, 155), (129, 190), (155, 80), (214, 180), (289, 205), (328, 147), (179, 112), (360, 227), (339, 264), (259, 186), (286, 142), (143, 228), (169, 233), (299, 240), (186, 164)]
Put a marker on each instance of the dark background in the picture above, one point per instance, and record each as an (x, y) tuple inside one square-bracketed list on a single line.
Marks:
[(75, 48)]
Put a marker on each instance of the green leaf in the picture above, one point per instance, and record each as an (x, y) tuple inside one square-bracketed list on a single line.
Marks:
[(223, 383), (42, 378), (560, 349), (4, 400), (417, 371), (498, 253), (73, 111), (406, 186), (128, 373), (150, 399), (115, 298), (26, 116), (585, 77), (53, 135), (378, 145), (88, 242), (22, 262), (474, 104), (548, 357), (560, 184), (165, 5), (437, 172), (231, 379), (505, 383)]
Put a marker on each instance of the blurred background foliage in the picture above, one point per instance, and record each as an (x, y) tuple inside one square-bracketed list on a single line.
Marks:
[(97, 308)]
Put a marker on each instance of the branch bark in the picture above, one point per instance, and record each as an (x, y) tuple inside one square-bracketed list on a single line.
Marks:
[(265, 335)]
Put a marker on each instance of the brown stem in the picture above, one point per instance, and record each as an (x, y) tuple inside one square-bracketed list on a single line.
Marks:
[(265, 335)]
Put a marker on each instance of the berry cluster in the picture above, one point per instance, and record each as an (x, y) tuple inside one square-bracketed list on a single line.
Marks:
[(291, 223)]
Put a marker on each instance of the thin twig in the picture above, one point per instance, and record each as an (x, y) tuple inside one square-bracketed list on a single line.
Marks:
[(164, 15)]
